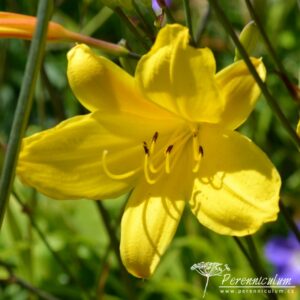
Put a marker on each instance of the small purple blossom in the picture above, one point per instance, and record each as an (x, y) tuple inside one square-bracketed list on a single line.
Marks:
[(156, 7), (284, 254)]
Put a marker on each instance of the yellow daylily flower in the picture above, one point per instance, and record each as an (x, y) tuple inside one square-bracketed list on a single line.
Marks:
[(168, 134)]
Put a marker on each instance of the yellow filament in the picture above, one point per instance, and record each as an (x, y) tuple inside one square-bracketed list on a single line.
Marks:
[(167, 164), (110, 174), (151, 167), (152, 147), (196, 147), (146, 170), (153, 143), (198, 160), (197, 165), (197, 153), (151, 151)]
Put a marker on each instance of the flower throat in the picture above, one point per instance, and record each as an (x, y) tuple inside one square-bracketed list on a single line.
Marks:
[(149, 167)]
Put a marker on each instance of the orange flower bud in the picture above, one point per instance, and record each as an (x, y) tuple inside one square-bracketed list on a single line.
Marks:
[(22, 26)]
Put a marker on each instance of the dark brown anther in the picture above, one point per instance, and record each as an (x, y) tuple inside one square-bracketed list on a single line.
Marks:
[(201, 151), (146, 149), (155, 137), (169, 149)]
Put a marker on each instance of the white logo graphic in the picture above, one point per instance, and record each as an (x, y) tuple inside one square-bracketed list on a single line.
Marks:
[(242, 285), (209, 269)]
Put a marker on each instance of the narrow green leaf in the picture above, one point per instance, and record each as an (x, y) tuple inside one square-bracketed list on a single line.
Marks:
[(24, 103)]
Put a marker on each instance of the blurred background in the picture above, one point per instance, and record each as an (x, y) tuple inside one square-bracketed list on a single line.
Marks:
[(66, 248)]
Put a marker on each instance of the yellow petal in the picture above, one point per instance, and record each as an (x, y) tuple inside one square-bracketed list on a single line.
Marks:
[(151, 217), (66, 162), (237, 189), (180, 78), (239, 91), (139, 128), (148, 225), (153, 211), (99, 84)]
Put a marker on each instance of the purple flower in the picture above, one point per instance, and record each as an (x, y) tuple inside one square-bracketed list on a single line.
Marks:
[(156, 7), (284, 254)]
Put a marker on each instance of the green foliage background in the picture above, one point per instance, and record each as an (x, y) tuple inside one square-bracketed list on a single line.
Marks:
[(75, 229)]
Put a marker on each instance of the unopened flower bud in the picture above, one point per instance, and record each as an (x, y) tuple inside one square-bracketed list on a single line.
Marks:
[(249, 39), (22, 26), (298, 128)]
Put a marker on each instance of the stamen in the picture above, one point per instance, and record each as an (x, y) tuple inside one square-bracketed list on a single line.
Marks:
[(153, 143), (167, 165), (152, 168), (198, 160), (201, 151), (146, 169), (196, 167), (146, 149), (110, 174), (195, 146), (150, 151)]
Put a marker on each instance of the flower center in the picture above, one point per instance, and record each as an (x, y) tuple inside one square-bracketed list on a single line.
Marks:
[(162, 160)]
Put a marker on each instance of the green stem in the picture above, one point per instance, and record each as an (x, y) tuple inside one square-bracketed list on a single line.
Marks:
[(109, 228), (132, 28), (24, 103), (271, 50), (35, 291), (203, 25), (257, 265), (254, 256), (104, 272), (111, 48), (270, 99), (244, 250), (55, 255), (188, 19), (170, 18), (147, 27), (115, 246), (14, 279), (97, 21), (253, 260), (289, 220)]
